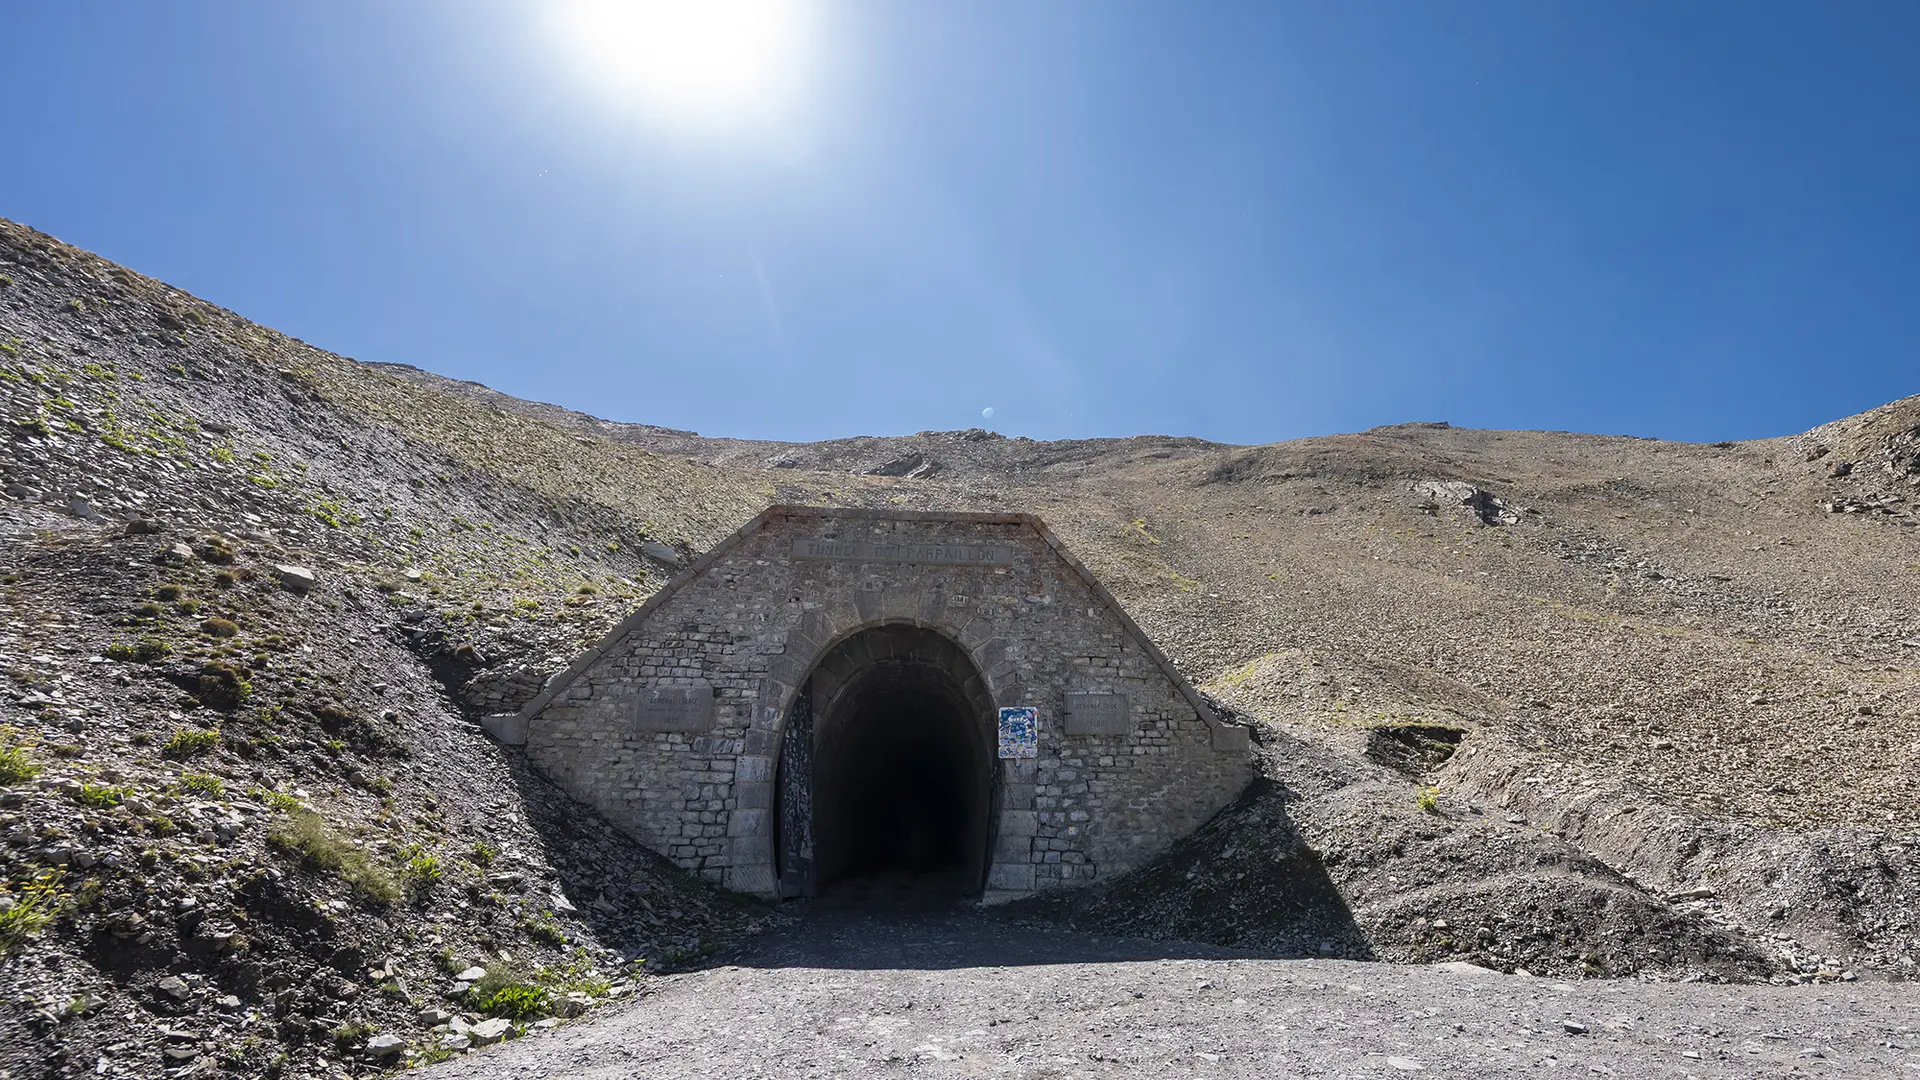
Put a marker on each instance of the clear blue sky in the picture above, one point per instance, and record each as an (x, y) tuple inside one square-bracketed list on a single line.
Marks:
[(1245, 221)]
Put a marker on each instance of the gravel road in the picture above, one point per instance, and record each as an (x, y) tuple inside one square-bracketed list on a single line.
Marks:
[(849, 992)]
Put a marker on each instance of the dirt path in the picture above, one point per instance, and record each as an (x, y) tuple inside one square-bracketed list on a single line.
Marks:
[(951, 994)]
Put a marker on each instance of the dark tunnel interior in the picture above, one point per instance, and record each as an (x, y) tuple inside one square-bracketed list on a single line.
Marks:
[(902, 781)]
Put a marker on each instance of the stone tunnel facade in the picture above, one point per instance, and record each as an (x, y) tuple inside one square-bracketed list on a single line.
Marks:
[(673, 725)]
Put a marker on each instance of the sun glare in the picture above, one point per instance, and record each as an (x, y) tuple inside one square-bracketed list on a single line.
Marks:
[(690, 60)]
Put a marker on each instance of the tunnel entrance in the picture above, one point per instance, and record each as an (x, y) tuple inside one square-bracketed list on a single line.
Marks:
[(886, 774)]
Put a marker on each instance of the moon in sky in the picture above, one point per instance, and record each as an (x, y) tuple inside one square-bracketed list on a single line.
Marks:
[(986, 413), (689, 60)]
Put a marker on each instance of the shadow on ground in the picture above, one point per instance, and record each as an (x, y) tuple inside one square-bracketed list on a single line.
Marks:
[(1244, 880), (934, 936)]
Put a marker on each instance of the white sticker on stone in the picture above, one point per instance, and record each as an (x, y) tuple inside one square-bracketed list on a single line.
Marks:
[(1020, 732)]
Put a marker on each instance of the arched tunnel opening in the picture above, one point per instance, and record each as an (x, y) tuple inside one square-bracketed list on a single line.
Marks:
[(901, 776)]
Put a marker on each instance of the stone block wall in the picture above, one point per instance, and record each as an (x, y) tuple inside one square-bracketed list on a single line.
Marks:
[(750, 619)]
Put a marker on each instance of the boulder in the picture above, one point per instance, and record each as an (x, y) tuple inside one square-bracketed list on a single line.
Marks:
[(1490, 510), (297, 579)]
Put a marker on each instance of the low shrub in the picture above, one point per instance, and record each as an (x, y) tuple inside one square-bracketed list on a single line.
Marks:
[(100, 796), (223, 686), (506, 992), (420, 872), (190, 742), (199, 783)]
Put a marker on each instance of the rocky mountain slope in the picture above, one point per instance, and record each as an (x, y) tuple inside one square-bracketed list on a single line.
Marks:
[(1594, 705)]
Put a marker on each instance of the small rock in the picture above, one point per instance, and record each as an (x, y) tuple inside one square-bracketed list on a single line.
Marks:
[(174, 987), (297, 579), (1574, 1027), (385, 1046), (1405, 1064), (434, 1017), (174, 555), (488, 1032), (654, 549), (471, 975)]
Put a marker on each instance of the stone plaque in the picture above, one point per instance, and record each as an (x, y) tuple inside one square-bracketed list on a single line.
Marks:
[(938, 554), (1098, 714), (676, 708)]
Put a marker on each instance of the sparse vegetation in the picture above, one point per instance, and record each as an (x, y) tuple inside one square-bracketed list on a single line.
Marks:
[(199, 783), (506, 991), (100, 796), (190, 743), (279, 800), (223, 686), (307, 836), (544, 929), (16, 763), (29, 910)]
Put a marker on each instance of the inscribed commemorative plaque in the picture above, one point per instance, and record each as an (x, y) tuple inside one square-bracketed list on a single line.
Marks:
[(676, 708), (1020, 732), (961, 554), (1098, 714)]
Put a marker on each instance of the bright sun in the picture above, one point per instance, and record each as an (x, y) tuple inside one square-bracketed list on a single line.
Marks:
[(689, 60)]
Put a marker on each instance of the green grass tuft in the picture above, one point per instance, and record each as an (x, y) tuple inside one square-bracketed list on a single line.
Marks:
[(307, 836), (16, 764)]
